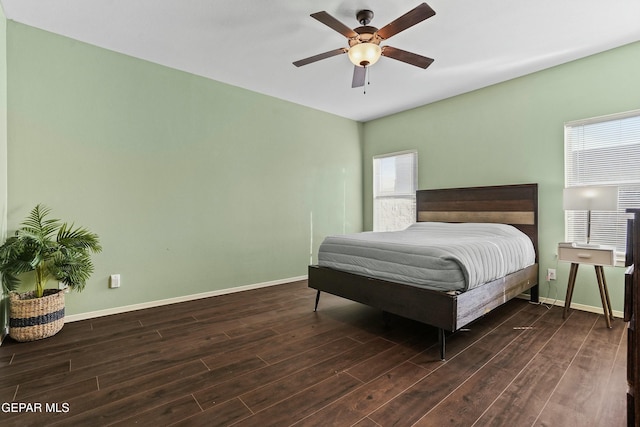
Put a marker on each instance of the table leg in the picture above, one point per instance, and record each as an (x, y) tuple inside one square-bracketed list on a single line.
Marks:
[(606, 292), (604, 295), (573, 272)]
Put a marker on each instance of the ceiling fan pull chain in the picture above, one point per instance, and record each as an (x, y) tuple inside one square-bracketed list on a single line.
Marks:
[(364, 87)]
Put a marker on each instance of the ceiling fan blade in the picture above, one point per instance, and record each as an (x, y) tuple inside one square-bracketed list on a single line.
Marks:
[(408, 57), (409, 19), (359, 75), (320, 56), (333, 23)]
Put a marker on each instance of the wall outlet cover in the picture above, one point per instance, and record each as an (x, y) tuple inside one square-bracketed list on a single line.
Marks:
[(114, 281)]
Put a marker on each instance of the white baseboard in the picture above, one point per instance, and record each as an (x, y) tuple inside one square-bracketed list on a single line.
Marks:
[(582, 307), (158, 303)]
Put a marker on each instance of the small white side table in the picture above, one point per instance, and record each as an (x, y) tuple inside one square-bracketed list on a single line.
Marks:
[(598, 256)]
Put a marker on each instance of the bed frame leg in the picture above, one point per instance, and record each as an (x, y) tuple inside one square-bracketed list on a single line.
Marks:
[(441, 341), (386, 318), (535, 294), (315, 308)]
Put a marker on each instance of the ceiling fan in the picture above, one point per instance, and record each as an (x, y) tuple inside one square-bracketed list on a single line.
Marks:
[(364, 42)]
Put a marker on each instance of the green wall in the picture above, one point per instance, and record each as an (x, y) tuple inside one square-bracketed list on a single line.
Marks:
[(3, 155), (193, 185), (513, 133)]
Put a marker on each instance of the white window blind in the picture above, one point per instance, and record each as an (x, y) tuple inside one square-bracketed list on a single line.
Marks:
[(394, 190), (604, 151)]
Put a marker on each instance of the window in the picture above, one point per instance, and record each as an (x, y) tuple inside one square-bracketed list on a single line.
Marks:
[(604, 151), (394, 190)]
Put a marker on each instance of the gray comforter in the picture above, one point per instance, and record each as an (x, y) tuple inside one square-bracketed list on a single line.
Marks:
[(441, 256)]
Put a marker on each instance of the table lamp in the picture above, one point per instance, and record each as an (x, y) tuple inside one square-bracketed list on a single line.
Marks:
[(590, 198)]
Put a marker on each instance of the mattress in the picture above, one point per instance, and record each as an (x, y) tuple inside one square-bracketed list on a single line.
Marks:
[(434, 255)]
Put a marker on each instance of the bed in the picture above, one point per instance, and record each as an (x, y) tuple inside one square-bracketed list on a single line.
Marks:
[(515, 205)]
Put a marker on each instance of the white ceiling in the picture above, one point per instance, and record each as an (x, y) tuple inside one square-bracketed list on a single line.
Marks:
[(252, 44)]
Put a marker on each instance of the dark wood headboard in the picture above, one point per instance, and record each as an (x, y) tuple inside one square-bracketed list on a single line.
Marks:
[(516, 205)]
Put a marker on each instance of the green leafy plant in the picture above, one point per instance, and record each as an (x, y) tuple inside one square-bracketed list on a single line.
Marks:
[(52, 249)]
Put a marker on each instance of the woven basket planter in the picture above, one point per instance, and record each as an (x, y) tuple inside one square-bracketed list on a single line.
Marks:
[(32, 318)]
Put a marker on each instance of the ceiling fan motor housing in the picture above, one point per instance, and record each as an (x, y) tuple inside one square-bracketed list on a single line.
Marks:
[(364, 16), (366, 34)]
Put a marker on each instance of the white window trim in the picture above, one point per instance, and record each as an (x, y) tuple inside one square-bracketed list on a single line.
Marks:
[(586, 122), (395, 196)]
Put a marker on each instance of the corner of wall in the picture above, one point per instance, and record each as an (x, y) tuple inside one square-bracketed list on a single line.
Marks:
[(3, 161), (361, 144)]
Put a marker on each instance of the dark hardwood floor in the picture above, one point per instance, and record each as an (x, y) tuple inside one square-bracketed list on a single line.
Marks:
[(264, 358)]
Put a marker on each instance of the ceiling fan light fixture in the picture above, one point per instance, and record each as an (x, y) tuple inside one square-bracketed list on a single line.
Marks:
[(364, 54)]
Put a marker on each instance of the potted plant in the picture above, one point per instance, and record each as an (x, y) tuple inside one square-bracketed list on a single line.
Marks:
[(52, 250)]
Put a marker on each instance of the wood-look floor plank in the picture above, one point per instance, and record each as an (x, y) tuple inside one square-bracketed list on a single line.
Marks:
[(377, 365), (299, 341), (95, 346), (124, 375), (220, 350), (367, 322), (110, 328), (8, 393), (366, 422), (304, 403), (367, 398), (113, 351), (288, 386), (283, 320), (245, 383), (6, 360), (193, 330), (159, 324), (169, 413), (233, 311), (32, 371), (221, 415)]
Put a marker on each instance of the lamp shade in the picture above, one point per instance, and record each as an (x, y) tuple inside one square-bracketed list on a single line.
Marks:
[(591, 198), (364, 54)]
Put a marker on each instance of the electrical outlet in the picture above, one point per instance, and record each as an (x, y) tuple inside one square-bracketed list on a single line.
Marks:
[(551, 274), (114, 281)]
